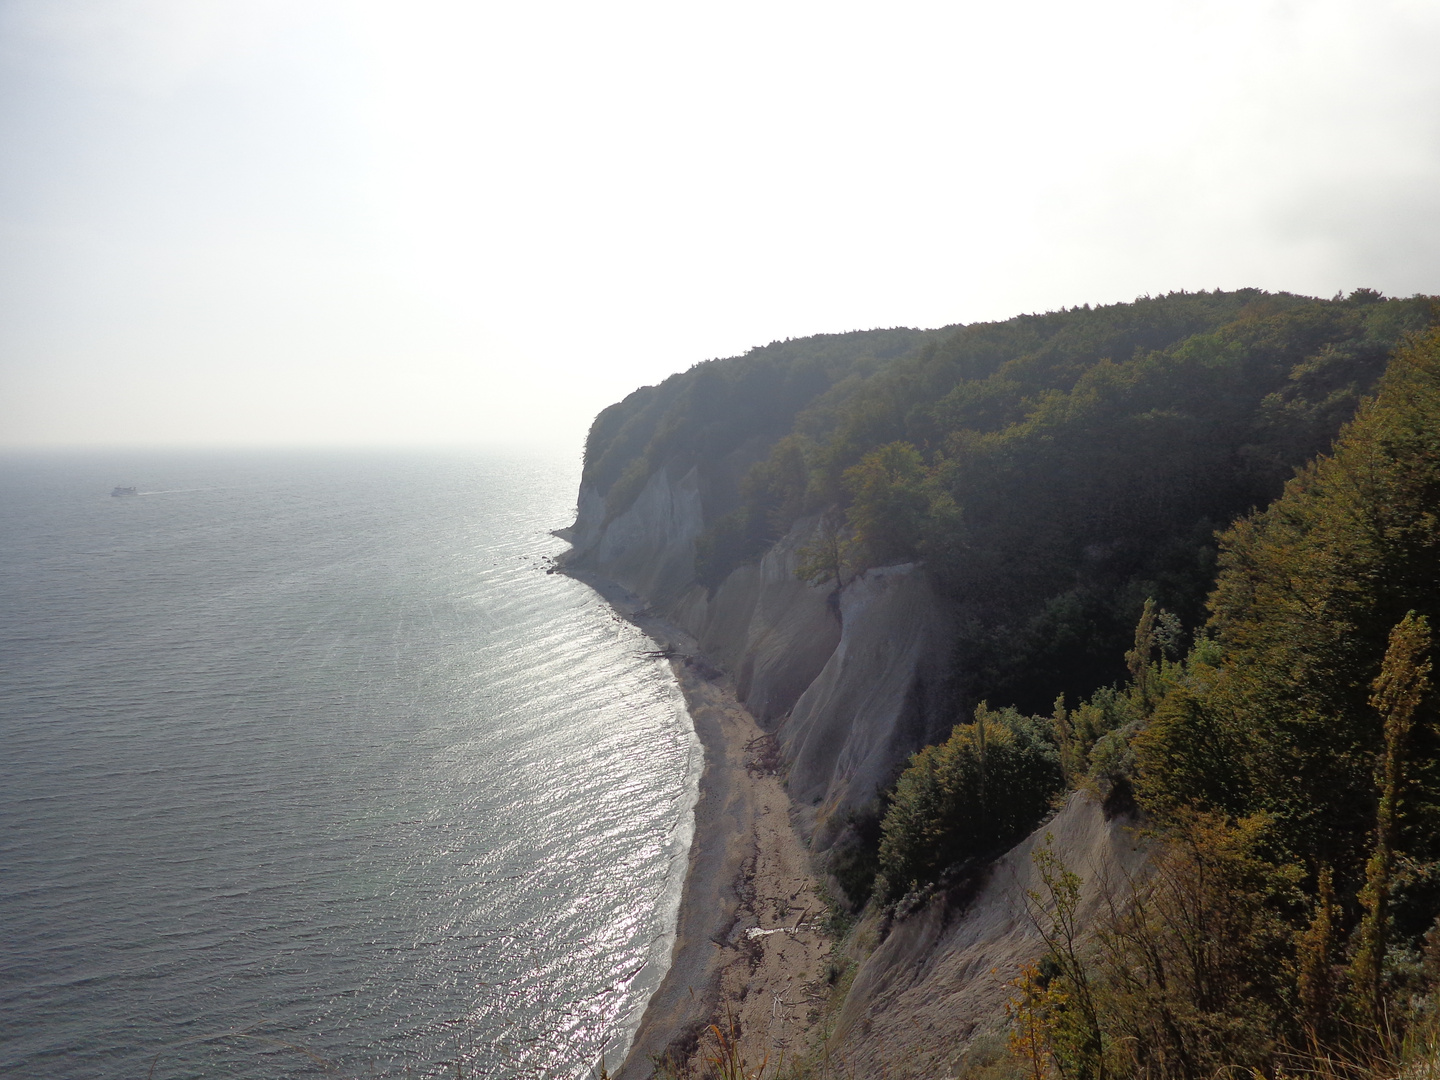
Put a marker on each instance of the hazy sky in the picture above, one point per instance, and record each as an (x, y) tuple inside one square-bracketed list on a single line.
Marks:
[(349, 222)]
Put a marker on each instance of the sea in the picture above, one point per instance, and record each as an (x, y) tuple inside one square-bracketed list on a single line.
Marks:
[(309, 766)]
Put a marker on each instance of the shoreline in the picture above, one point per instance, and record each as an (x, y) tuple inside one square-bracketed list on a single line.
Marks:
[(749, 952)]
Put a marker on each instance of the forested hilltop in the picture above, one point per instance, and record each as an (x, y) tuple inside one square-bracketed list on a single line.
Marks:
[(1051, 471), (1187, 554)]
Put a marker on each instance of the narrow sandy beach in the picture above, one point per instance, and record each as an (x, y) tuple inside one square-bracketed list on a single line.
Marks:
[(749, 946)]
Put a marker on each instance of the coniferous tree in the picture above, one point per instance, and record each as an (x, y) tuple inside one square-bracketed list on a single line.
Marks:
[(1402, 684), (1315, 961)]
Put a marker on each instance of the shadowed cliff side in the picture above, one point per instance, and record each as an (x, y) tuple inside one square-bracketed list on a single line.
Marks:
[(882, 693)]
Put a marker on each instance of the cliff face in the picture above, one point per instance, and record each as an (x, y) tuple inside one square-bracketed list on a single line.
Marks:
[(765, 626), (650, 548), (853, 684), (881, 696)]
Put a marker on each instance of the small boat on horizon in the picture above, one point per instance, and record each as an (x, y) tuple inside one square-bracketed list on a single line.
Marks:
[(122, 491)]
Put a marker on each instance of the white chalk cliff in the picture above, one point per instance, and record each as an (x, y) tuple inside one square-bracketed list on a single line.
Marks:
[(853, 685)]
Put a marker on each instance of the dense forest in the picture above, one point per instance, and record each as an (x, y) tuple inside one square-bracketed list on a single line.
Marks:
[(1194, 547), (1290, 763), (1051, 471)]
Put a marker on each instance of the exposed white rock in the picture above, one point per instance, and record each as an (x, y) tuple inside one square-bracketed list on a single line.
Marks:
[(650, 548), (771, 630), (584, 535), (857, 685), (880, 697)]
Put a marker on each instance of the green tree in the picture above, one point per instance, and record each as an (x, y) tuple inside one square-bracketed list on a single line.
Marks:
[(947, 806), (1315, 950), (1308, 592), (888, 503), (1067, 1027), (828, 555)]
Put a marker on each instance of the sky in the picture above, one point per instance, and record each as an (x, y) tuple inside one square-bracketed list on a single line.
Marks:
[(344, 222)]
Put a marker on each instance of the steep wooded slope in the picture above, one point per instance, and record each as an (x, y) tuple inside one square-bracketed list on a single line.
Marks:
[(1050, 471)]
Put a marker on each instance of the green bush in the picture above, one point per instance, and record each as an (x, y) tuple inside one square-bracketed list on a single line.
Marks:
[(985, 787)]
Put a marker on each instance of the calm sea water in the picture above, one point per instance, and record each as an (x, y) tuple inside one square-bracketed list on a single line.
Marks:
[(309, 767)]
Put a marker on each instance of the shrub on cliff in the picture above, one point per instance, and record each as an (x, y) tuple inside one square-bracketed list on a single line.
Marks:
[(985, 787)]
